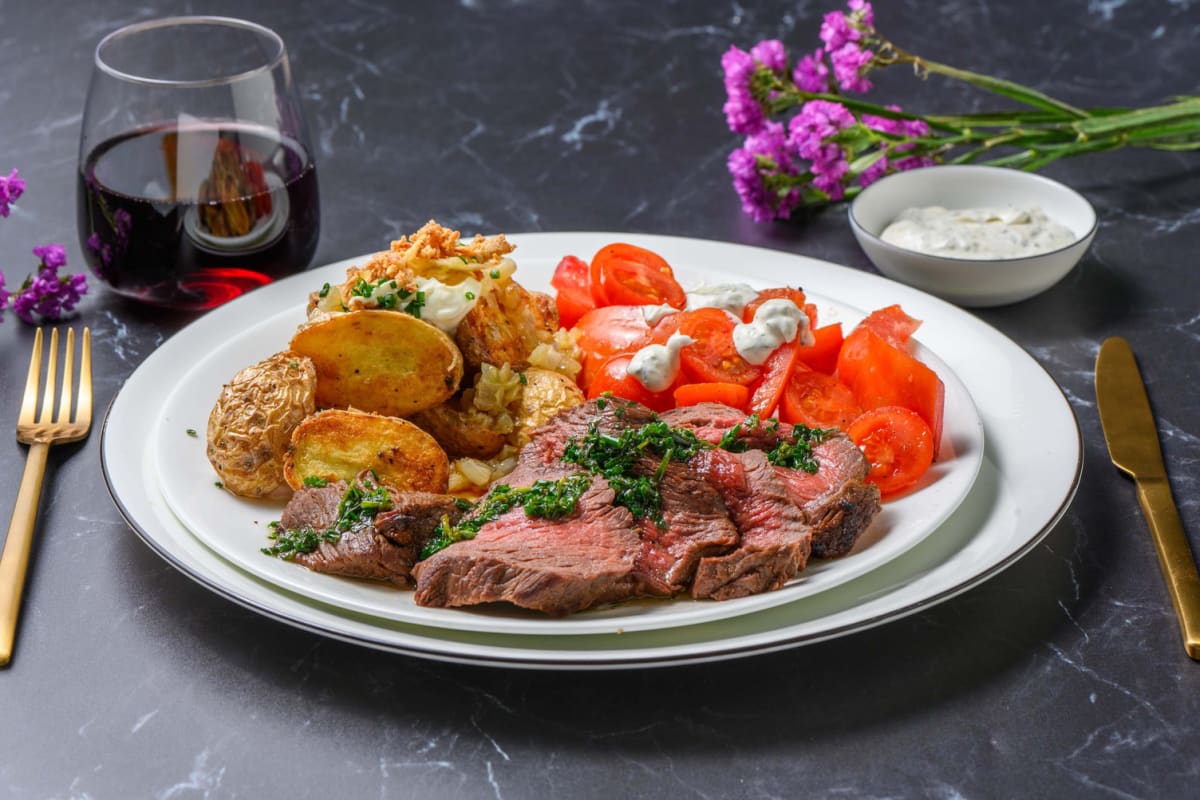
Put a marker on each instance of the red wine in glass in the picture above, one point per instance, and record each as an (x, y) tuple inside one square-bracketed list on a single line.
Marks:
[(191, 217), (196, 181)]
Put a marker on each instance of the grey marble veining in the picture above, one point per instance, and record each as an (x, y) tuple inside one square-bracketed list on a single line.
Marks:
[(1061, 677)]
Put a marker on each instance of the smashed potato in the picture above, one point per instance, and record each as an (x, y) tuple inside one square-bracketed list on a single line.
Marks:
[(505, 326), (545, 394), (251, 424), (386, 362), (338, 445), (462, 432)]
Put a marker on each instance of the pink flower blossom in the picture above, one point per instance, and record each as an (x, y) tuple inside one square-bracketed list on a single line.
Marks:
[(764, 154), (11, 188), (811, 73), (743, 113), (850, 64), (770, 54), (51, 255)]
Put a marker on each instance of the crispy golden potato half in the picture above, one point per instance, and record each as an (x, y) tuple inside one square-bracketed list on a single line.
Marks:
[(505, 325), (338, 445), (462, 433), (545, 394), (251, 424), (386, 362)]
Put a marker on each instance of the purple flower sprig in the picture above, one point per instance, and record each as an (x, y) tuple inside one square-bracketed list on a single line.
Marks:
[(44, 295), (809, 142)]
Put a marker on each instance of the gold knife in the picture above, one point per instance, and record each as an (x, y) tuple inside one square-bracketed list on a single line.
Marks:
[(1132, 438)]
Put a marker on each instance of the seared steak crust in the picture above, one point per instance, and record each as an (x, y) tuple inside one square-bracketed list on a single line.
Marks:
[(554, 566), (384, 548)]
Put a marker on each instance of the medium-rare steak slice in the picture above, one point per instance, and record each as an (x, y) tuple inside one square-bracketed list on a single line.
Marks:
[(775, 539), (836, 501), (382, 547), (695, 525), (557, 566), (695, 521)]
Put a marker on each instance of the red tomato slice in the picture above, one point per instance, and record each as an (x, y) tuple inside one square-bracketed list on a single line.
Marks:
[(606, 332), (882, 375), (776, 372), (784, 292), (713, 358), (892, 324), (823, 354), (625, 274), (613, 376), (897, 443), (817, 400), (733, 395), (572, 295)]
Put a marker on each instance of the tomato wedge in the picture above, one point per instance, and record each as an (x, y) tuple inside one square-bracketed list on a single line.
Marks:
[(733, 395), (625, 274), (605, 332), (613, 376), (817, 400), (713, 358), (892, 324), (823, 354), (881, 374), (783, 292), (777, 371), (897, 443), (572, 295)]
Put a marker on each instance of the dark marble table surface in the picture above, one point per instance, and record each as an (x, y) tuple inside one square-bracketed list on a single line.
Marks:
[(1062, 677)]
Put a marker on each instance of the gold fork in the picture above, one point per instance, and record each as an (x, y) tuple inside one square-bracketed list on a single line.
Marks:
[(39, 433)]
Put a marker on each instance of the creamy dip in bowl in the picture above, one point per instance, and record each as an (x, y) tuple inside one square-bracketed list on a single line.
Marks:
[(974, 235)]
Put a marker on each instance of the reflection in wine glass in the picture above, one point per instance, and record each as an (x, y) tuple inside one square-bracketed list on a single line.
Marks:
[(196, 182)]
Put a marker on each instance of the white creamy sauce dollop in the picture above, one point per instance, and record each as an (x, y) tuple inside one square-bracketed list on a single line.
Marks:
[(776, 322), (977, 233), (731, 297), (446, 305), (656, 366)]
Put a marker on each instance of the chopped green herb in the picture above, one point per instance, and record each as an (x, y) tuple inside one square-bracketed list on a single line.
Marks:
[(495, 274), (522, 379), (324, 291), (316, 482), (191, 432), (469, 295), (544, 499), (796, 452), (358, 506), (218, 484)]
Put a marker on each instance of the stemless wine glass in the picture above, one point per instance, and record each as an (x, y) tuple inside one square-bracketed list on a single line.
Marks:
[(196, 181)]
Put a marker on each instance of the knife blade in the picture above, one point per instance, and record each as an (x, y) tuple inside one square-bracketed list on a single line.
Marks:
[(1132, 438)]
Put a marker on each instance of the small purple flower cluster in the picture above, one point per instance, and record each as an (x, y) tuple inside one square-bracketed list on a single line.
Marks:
[(781, 166), (45, 295), (10, 189)]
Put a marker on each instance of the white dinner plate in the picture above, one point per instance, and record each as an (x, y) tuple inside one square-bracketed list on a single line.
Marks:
[(1029, 472), (236, 528)]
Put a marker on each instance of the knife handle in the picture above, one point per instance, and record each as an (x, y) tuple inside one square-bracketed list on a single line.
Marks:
[(1175, 557)]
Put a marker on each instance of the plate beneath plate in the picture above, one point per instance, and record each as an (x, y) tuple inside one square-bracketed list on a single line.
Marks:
[(1032, 453)]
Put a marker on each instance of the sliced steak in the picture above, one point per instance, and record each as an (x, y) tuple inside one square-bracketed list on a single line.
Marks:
[(696, 525), (775, 539), (554, 566), (836, 501), (696, 521), (384, 548)]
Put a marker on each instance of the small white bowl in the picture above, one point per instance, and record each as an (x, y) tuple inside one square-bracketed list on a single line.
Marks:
[(971, 282)]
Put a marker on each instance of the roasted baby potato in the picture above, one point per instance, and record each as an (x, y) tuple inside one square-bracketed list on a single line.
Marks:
[(386, 362), (545, 393), (338, 444), (462, 432), (505, 325), (251, 425)]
